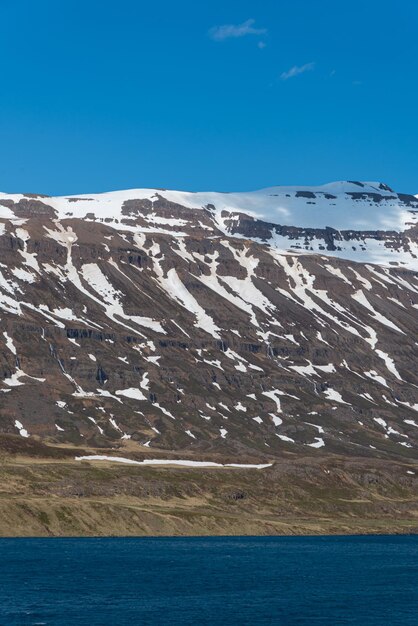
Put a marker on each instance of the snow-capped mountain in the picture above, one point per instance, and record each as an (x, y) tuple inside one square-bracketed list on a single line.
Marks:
[(278, 321), (351, 220)]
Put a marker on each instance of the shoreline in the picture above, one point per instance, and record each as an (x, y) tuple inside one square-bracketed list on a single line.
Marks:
[(220, 536)]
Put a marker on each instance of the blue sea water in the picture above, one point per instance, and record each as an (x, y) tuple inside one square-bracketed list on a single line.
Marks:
[(367, 581)]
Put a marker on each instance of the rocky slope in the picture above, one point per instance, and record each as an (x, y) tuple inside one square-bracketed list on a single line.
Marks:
[(249, 326)]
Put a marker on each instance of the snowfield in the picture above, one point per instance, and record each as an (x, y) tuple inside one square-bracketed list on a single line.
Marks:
[(305, 206), (181, 463)]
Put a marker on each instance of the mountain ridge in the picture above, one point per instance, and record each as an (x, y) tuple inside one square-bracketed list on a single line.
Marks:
[(354, 220)]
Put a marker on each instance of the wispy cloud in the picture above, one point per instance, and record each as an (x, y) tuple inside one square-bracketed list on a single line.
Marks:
[(296, 70), (233, 31)]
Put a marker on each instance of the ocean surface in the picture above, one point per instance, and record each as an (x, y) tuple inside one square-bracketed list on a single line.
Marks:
[(369, 581)]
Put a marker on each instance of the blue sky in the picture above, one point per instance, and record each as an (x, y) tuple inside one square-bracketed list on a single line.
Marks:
[(101, 95)]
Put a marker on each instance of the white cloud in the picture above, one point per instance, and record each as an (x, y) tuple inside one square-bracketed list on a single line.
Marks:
[(233, 31), (296, 70)]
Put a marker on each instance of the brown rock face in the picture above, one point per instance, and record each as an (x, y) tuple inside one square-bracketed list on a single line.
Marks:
[(196, 329)]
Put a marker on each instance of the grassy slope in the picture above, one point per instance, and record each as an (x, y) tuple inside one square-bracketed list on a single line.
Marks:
[(43, 491)]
